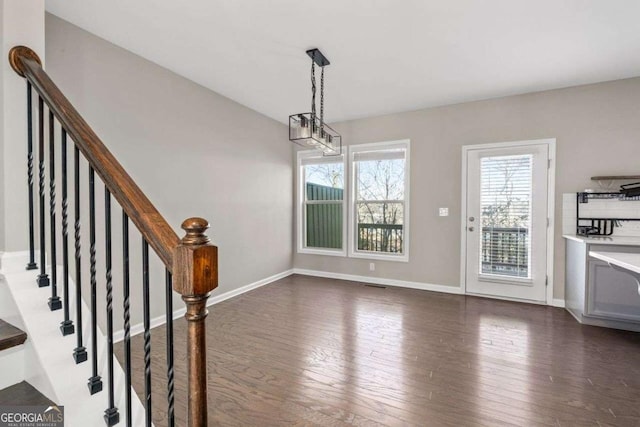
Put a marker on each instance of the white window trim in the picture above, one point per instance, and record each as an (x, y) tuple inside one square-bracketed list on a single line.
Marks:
[(301, 248), (353, 253)]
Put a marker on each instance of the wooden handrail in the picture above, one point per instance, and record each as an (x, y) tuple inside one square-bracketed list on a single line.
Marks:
[(152, 225)]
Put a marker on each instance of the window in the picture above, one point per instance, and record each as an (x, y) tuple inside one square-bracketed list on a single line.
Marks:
[(378, 186), (505, 200), (321, 210), (380, 201)]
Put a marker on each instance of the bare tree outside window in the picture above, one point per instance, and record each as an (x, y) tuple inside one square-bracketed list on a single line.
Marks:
[(328, 174), (506, 214), (380, 195)]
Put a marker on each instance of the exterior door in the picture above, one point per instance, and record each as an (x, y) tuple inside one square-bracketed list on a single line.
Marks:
[(506, 221)]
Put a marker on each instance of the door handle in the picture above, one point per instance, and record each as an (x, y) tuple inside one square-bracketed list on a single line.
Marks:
[(470, 228)]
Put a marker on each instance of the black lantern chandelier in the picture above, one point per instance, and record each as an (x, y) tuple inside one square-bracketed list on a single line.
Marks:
[(309, 129)]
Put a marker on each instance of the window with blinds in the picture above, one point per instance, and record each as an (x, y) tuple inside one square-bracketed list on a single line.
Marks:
[(505, 201)]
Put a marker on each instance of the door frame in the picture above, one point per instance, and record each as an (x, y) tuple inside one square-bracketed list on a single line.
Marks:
[(551, 190)]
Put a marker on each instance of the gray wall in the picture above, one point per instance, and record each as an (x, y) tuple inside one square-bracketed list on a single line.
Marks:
[(598, 133), (192, 151), (22, 24)]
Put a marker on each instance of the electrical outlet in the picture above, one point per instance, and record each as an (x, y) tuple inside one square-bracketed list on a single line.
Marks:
[(444, 211), (372, 266)]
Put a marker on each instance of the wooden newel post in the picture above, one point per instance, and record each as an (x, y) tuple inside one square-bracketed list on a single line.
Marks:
[(195, 275)]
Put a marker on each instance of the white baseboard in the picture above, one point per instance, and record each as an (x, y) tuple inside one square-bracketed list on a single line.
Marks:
[(381, 281), (161, 320), (399, 283)]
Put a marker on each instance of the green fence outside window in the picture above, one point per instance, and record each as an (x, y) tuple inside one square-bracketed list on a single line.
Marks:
[(324, 220)]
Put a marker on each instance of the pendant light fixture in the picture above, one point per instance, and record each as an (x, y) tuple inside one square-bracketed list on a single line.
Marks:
[(309, 129)]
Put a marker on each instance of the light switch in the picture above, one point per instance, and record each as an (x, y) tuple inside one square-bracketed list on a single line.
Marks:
[(444, 211)]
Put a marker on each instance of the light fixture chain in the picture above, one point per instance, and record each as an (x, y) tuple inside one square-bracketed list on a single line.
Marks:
[(322, 98), (313, 91), (308, 129)]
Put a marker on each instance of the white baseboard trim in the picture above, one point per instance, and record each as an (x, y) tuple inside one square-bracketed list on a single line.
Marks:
[(161, 320), (399, 283), (381, 281)]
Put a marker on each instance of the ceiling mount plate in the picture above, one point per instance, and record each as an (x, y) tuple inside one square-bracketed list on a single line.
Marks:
[(318, 57)]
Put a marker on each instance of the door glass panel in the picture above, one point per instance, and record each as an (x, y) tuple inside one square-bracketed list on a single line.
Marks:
[(505, 203)]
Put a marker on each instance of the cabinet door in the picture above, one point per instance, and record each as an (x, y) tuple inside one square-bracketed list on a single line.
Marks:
[(575, 288), (612, 294)]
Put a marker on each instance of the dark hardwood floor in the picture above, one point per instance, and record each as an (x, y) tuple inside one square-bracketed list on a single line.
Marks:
[(311, 351), (22, 394)]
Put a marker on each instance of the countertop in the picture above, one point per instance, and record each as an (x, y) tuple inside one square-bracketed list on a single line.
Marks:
[(605, 240), (619, 260), (627, 261)]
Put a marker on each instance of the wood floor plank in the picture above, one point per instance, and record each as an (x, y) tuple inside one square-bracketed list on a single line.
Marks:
[(23, 394), (311, 351), (10, 336)]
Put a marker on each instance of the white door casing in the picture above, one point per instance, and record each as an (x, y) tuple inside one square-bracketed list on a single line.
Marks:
[(506, 205)]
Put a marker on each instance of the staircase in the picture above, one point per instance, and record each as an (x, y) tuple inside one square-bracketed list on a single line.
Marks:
[(12, 360), (14, 352), (11, 354), (64, 292), (45, 362), (10, 336)]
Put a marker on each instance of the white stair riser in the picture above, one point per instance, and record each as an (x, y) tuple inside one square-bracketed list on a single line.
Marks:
[(12, 366)]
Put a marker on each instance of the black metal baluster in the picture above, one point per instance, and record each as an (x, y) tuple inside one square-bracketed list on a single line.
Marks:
[(111, 415), (147, 332), (170, 386), (54, 300), (32, 262), (66, 327), (43, 279), (95, 382), (127, 318), (80, 352)]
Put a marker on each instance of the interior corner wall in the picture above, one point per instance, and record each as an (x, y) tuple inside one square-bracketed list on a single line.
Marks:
[(193, 152), (22, 24), (597, 131), (2, 179)]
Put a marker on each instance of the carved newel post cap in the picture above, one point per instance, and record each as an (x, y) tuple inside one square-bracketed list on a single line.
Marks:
[(195, 261), (18, 52), (195, 228)]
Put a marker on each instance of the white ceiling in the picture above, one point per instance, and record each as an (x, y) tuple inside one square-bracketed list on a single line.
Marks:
[(386, 55)]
